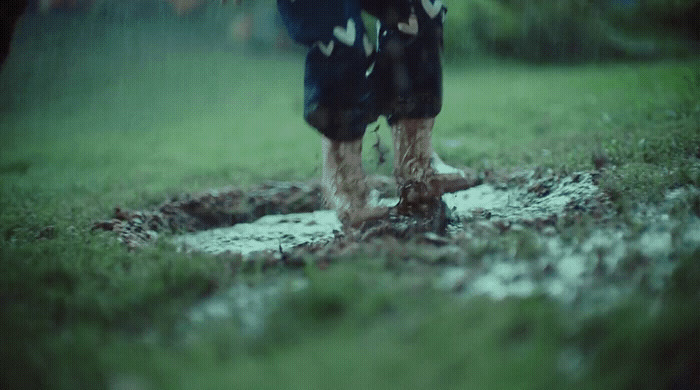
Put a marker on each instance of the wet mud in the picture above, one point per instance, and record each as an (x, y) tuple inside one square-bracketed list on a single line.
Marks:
[(288, 218), (292, 214), (511, 234)]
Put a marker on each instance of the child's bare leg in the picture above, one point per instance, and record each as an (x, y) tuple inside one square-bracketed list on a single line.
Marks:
[(421, 175), (412, 170), (408, 74), (344, 182)]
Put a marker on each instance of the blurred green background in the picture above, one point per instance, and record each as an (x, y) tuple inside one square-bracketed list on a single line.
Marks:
[(532, 30)]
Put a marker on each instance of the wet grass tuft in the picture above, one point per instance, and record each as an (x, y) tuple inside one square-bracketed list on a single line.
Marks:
[(646, 343)]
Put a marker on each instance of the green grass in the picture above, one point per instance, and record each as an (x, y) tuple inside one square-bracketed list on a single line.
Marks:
[(451, 346), (84, 132)]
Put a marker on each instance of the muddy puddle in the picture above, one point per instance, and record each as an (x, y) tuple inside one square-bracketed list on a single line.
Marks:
[(504, 236), (527, 199), (269, 233), (281, 216), (499, 255), (514, 234)]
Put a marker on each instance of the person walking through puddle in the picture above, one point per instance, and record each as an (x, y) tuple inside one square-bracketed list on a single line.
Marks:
[(348, 85)]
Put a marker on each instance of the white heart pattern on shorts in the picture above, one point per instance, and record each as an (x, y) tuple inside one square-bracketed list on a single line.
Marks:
[(411, 28), (347, 34), (368, 45), (432, 9), (370, 69), (326, 49)]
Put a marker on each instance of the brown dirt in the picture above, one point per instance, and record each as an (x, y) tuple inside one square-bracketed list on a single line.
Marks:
[(498, 203)]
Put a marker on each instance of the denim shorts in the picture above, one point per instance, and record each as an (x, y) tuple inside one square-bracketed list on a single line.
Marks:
[(350, 81)]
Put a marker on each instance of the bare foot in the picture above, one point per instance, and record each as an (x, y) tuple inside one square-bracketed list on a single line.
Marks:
[(345, 183), (357, 218)]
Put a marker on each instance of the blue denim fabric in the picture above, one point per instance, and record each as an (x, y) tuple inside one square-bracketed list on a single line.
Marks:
[(347, 85)]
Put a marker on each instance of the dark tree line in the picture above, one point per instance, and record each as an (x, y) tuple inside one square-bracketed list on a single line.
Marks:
[(10, 11)]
